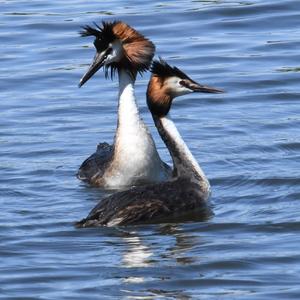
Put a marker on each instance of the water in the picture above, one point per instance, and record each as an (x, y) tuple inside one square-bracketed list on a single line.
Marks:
[(246, 140)]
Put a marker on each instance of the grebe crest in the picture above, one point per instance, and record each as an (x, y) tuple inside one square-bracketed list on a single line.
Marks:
[(118, 46), (168, 82)]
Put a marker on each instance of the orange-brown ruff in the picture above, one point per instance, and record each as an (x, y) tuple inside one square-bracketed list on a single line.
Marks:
[(159, 92), (133, 158), (138, 50), (187, 192)]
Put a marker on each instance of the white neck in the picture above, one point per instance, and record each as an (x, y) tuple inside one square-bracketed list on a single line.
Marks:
[(184, 162), (128, 115), (128, 110), (135, 154)]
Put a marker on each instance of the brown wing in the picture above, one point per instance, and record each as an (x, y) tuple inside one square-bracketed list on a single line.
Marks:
[(146, 204), (95, 165)]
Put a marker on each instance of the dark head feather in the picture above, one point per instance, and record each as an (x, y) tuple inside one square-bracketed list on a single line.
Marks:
[(138, 50), (159, 96), (103, 33), (162, 69)]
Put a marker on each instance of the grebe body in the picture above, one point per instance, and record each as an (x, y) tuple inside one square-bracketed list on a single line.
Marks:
[(133, 158)]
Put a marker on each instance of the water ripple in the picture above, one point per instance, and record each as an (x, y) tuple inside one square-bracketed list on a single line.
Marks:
[(247, 141)]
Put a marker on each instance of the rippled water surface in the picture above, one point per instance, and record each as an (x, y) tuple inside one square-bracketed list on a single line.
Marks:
[(246, 140)]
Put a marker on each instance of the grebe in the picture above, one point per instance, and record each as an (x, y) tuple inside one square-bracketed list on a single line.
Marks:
[(133, 158), (189, 188)]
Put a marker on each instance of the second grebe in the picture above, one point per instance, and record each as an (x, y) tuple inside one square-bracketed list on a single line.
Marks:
[(133, 158), (189, 188)]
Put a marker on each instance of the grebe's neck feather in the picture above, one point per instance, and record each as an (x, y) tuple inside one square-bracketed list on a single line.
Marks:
[(135, 153), (184, 162), (128, 111)]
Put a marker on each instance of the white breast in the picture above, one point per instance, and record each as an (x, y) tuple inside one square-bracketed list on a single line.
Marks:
[(136, 158)]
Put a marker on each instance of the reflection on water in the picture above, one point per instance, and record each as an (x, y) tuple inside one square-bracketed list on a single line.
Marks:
[(183, 241), (137, 254), (140, 253)]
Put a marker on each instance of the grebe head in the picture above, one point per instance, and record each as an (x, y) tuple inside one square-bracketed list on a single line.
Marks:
[(118, 46), (168, 82)]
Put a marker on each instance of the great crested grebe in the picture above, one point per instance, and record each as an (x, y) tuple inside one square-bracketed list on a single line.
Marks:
[(133, 158), (189, 188)]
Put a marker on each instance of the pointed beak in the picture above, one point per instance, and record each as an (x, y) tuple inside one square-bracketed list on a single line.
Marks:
[(97, 63), (196, 87)]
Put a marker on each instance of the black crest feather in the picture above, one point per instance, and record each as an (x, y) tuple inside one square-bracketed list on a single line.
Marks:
[(162, 69), (104, 33), (103, 36)]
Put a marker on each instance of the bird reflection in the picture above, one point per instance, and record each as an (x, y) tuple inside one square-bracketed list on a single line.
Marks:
[(138, 254), (152, 250), (183, 243)]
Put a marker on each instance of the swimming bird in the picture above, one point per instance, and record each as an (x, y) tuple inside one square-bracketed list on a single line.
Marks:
[(133, 158), (187, 191)]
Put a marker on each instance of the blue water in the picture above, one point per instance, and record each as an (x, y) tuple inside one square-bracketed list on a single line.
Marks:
[(246, 140)]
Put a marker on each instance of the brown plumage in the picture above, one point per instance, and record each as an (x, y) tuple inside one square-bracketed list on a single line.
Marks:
[(162, 202), (138, 50), (160, 96)]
